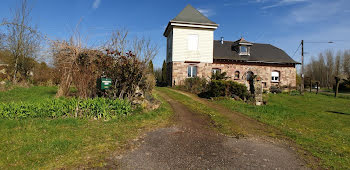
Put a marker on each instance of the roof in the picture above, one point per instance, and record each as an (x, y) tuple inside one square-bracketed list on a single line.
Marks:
[(242, 41), (192, 15), (264, 53)]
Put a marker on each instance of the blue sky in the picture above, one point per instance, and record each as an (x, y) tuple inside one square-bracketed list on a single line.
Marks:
[(282, 23)]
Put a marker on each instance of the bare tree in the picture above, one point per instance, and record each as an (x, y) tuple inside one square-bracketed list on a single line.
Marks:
[(324, 72), (330, 68), (22, 39), (337, 66), (346, 63), (118, 41), (2, 41)]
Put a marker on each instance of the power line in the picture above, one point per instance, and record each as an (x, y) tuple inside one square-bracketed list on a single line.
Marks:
[(319, 42), (296, 50)]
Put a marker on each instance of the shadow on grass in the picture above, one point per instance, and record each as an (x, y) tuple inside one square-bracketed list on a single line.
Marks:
[(338, 112)]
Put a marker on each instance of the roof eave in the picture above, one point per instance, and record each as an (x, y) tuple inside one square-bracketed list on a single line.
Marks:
[(194, 23), (189, 24), (266, 62)]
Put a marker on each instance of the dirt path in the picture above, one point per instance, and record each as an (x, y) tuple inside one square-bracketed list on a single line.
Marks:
[(190, 144)]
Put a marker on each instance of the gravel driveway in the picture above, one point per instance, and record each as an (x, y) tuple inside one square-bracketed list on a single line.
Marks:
[(191, 144)]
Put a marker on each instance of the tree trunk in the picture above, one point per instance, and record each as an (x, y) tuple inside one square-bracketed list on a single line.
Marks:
[(336, 86), (14, 78)]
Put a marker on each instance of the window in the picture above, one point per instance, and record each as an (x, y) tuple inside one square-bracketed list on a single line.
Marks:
[(192, 71), (216, 70), (275, 76), (193, 42), (243, 50), (236, 75)]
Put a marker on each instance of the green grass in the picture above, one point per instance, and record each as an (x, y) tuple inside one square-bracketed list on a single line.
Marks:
[(220, 122), (318, 123), (69, 143), (31, 94)]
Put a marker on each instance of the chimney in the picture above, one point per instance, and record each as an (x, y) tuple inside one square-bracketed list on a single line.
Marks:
[(222, 40)]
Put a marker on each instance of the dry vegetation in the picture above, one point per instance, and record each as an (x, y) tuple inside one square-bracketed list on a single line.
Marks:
[(128, 69)]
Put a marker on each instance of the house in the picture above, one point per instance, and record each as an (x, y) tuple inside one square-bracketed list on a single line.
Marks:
[(3, 75), (192, 51)]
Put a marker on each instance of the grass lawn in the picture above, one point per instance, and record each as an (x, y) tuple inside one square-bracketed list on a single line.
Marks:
[(319, 123), (32, 94), (68, 143)]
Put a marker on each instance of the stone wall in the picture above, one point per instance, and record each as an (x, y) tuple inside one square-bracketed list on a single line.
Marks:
[(287, 72), (179, 71)]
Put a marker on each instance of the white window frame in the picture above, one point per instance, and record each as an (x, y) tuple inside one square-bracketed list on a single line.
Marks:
[(190, 70), (244, 53), (214, 70), (192, 42), (275, 76)]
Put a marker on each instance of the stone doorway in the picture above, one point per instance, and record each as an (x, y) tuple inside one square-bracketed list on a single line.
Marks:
[(250, 80)]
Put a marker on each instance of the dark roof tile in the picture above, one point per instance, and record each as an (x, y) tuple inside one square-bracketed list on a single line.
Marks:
[(264, 53), (192, 15)]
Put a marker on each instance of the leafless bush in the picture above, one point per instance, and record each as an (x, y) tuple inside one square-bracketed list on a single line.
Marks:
[(130, 71), (77, 65), (82, 66)]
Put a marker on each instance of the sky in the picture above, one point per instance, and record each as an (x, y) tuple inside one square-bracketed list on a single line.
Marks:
[(282, 23)]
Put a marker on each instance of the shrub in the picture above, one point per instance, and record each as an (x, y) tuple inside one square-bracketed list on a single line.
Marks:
[(344, 85), (275, 89), (219, 76), (195, 85), (58, 108), (217, 88)]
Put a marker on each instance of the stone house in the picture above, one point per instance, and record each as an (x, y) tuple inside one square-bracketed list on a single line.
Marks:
[(192, 51)]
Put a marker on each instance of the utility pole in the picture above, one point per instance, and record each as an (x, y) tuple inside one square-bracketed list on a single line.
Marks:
[(302, 65), (302, 68)]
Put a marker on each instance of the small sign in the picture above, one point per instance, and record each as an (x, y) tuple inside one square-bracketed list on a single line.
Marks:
[(105, 83)]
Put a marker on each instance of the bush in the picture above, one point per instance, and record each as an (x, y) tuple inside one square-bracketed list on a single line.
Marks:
[(218, 88), (195, 85), (275, 89), (59, 108), (219, 76), (344, 85)]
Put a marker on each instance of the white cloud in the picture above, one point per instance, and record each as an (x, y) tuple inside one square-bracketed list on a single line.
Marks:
[(206, 12), (281, 3), (318, 11), (96, 4)]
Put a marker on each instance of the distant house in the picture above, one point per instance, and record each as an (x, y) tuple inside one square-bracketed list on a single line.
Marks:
[(192, 51), (3, 66)]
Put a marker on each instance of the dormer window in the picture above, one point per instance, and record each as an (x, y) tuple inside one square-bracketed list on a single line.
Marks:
[(243, 50), (242, 46)]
